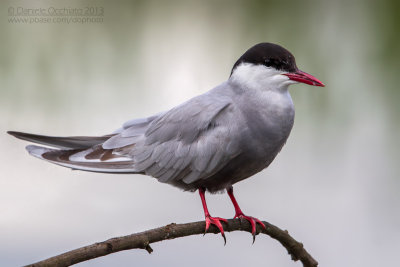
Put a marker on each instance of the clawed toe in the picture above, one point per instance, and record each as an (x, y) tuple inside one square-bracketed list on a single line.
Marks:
[(217, 222), (253, 221)]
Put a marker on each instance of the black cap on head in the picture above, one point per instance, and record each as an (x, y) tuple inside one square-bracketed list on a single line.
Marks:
[(270, 55)]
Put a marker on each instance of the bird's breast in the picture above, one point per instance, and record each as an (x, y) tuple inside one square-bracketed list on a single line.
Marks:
[(269, 119)]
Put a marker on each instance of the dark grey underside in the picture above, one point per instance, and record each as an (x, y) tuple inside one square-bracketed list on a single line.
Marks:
[(238, 169)]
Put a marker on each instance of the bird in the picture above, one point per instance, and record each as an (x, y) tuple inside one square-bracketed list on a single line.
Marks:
[(206, 144)]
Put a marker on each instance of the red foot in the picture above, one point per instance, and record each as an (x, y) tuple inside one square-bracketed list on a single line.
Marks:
[(217, 222), (239, 214), (253, 221)]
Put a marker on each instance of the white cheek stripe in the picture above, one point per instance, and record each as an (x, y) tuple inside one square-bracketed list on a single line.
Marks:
[(259, 77)]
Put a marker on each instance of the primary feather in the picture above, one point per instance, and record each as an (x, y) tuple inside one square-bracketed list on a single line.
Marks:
[(61, 142)]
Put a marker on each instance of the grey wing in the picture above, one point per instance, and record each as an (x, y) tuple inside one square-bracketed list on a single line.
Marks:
[(188, 143), (89, 153)]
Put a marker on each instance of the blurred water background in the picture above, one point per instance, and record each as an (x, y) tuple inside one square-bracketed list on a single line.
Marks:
[(335, 186)]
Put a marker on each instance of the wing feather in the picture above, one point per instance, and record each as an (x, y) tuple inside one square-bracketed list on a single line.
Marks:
[(69, 142), (190, 142), (69, 158), (187, 143)]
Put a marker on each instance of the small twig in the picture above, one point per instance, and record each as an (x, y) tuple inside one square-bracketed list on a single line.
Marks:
[(144, 239)]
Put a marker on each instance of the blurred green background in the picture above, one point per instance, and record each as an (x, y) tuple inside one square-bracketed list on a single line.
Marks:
[(335, 186)]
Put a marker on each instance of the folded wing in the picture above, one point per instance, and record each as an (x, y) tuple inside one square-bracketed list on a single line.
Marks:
[(188, 143)]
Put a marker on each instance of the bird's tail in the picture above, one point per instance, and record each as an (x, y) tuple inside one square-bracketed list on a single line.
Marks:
[(78, 152)]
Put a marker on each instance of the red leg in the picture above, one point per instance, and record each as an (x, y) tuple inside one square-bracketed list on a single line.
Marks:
[(209, 219), (239, 214)]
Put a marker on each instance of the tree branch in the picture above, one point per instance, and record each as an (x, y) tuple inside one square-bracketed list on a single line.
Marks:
[(144, 239)]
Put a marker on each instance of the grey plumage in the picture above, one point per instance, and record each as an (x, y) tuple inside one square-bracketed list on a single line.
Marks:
[(188, 146), (61, 142), (211, 141)]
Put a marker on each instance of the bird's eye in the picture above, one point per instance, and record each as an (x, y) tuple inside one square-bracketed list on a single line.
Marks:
[(268, 62)]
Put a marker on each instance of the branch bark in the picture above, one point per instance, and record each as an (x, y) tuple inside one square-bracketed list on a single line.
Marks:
[(144, 239)]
